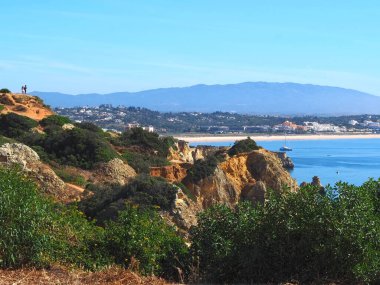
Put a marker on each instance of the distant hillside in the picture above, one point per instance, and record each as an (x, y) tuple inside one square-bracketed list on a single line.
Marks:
[(250, 97)]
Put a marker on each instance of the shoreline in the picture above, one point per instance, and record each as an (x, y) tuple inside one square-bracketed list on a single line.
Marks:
[(216, 138)]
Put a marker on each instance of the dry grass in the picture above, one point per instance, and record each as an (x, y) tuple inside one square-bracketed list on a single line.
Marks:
[(64, 276)]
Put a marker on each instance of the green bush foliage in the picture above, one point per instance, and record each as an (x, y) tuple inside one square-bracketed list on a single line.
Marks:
[(145, 191), (90, 127), (151, 191), (142, 163), (148, 141), (55, 120), (77, 147), (13, 125), (82, 147), (145, 237), (1, 107), (203, 168), (37, 232), (242, 146), (302, 236), (4, 90)]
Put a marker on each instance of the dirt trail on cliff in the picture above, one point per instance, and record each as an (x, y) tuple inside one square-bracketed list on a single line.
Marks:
[(75, 187)]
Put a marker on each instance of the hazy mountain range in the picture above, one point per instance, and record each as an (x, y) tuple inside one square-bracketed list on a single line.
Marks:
[(249, 97)]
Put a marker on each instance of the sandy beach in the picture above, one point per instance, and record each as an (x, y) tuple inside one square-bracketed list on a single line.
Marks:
[(216, 138)]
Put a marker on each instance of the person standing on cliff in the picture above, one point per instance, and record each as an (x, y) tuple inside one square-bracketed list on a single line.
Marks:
[(25, 88), (22, 89)]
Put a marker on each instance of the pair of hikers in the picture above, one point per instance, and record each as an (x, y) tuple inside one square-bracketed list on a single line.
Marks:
[(23, 89)]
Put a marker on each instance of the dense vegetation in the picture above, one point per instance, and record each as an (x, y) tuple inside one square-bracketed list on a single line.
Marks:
[(147, 140), (37, 232), (145, 236), (143, 162), (144, 149), (145, 191), (77, 147), (242, 146), (83, 146), (302, 236), (55, 120), (14, 126)]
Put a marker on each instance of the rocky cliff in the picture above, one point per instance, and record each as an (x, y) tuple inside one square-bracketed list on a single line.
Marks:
[(182, 152), (253, 172), (21, 104)]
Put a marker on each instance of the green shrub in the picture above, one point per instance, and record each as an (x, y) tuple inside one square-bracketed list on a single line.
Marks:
[(145, 237), (145, 191), (77, 147), (143, 162), (148, 141), (37, 232), (203, 168), (150, 191), (242, 146), (1, 107), (90, 127), (302, 236), (13, 125), (4, 90), (55, 120)]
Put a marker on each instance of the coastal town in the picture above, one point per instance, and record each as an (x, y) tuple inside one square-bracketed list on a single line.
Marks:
[(123, 118)]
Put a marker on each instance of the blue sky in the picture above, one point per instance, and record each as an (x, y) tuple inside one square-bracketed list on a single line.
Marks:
[(85, 46)]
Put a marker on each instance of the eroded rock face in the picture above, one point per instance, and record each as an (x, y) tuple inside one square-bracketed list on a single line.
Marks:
[(253, 172), (265, 166), (203, 151), (115, 171), (181, 152), (215, 189), (172, 173), (29, 161)]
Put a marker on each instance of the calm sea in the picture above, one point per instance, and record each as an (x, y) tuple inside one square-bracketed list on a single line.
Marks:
[(351, 160)]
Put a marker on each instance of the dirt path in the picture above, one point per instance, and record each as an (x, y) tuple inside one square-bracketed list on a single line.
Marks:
[(74, 187)]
